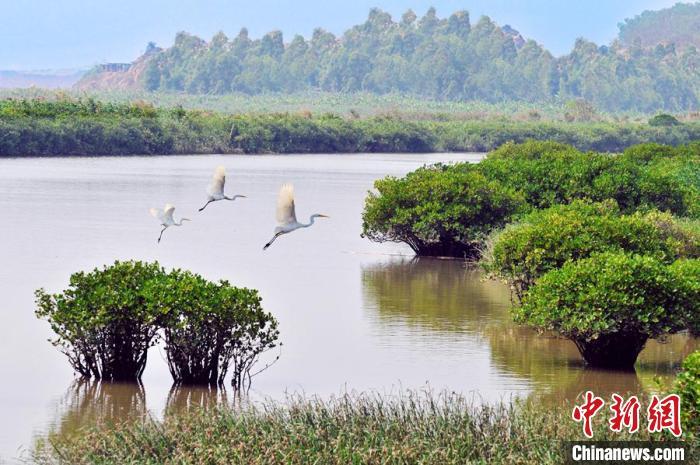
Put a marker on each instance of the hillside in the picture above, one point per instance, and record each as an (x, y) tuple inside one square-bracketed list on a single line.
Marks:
[(678, 25), (427, 57)]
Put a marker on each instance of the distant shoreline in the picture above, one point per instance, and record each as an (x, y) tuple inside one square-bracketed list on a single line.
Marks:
[(85, 127)]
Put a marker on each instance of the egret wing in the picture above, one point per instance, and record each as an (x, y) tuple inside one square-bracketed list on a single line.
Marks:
[(285, 205), (217, 182), (168, 212)]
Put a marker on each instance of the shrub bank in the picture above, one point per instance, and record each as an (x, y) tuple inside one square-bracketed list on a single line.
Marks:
[(36, 127)]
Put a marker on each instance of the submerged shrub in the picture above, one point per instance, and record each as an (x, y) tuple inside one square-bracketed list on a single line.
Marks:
[(688, 388), (439, 210), (102, 322), (547, 239), (610, 304), (210, 327)]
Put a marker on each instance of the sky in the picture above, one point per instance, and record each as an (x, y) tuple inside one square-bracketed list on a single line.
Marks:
[(73, 34)]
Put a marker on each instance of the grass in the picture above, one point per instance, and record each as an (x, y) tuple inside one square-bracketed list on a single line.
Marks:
[(369, 429), (360, 104)]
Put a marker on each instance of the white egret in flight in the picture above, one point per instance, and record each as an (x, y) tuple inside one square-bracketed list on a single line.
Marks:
[(215, 190), (286, 216), (165, 216)]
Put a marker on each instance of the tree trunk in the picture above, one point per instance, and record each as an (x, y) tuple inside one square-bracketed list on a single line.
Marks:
[(616, 350)]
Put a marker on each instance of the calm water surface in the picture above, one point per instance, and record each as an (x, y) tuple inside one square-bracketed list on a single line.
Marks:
[(353, 315)]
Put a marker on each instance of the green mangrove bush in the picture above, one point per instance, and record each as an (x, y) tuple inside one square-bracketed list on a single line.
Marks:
[(439, 210), (209, 327), (545, 240), (645, 176), (107, 319), (102, 321), (611, 303), (688, 388), (420, 208)]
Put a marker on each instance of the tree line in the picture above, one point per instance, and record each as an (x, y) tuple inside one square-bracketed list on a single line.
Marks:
[(431, 57)]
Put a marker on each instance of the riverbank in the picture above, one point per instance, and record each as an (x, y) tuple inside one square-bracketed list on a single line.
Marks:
[(87, 127), (413, 428)]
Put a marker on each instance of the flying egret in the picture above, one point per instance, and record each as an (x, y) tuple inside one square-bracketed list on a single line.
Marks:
[(215, 190), (165, 216), (286, 216)]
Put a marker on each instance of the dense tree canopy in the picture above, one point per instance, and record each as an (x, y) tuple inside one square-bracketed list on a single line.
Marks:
[(440, 58), (678, 25)]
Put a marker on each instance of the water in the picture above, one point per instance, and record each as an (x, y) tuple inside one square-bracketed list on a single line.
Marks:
[(353, 315)]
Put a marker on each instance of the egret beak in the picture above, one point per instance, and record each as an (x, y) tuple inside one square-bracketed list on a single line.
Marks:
[(324, 216)]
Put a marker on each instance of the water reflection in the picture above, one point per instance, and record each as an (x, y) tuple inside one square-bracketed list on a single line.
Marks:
[(185, 398), (444, 296), (87, 403)]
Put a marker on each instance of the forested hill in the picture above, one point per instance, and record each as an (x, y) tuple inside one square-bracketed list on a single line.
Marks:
[(678, 25), (437, 58)]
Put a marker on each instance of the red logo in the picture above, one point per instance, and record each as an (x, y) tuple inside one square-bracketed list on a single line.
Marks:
[(665, 414), (587, 411), (662, 414), (625, 414)]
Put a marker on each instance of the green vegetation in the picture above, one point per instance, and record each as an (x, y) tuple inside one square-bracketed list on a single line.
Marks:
[(688, 388), (593, 252), (429, 57), (610, 304), (441, 210), (647, 175), (67, 126), (107, 319), (675, 27), (209, 327), (664, 119), (367, 429), (547, 239), (102, 322)]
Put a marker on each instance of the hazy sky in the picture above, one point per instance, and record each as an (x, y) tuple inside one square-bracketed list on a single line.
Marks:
[(42, 34)]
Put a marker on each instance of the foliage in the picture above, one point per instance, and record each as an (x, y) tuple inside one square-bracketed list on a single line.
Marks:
[(688, 388), (431, 57), (670, 27), (609, 304), (102, 321), (68, 126), (551, 173), (439, 210), (547, 239), (548, 173), (369, 429), (664, 119), (414, 209), (209, 327)]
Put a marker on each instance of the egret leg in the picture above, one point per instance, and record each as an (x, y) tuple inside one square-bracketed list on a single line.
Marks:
[(272, 240), (205, 205), (161, 234)]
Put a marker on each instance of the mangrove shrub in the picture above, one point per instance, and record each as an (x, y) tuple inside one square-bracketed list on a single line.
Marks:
[(102, 321), (688, 388), (547, 239), (210, 327), (439, 210), (610, 304)]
